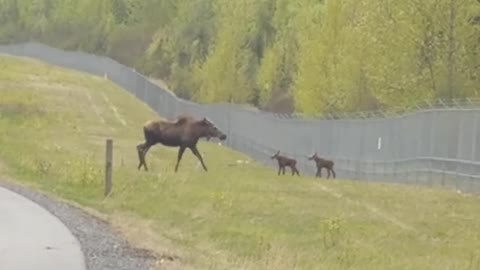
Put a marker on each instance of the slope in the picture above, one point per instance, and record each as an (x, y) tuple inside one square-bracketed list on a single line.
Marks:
[(54, 123)]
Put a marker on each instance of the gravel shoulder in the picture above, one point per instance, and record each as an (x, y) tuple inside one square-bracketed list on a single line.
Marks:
[(103, 248)]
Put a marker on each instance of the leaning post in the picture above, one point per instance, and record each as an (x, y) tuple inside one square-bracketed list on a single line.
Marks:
[(108, 167)]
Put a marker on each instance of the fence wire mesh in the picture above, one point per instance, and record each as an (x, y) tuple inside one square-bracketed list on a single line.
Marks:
[(436, 145)]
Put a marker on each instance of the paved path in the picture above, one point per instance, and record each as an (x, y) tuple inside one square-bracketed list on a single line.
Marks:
[(33, 239)]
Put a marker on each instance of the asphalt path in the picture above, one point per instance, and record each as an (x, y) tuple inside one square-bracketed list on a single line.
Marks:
[(31, 238)]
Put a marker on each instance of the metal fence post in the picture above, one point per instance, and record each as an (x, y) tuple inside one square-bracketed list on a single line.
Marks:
[(473, 157), (474, 137), (443, 173), (432, 145)]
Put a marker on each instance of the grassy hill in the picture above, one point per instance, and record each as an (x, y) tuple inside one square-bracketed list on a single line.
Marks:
[(53, 126)]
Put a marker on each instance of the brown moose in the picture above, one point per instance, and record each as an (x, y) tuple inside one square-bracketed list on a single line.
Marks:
[(284, 161), (183, 133), (323, 163)]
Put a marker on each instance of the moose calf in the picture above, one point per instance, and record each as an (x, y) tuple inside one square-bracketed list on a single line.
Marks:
[(323, 163), (286, 162)]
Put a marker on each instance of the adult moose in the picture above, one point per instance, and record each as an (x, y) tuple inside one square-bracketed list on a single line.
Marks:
[(323, 163), (284, 161), (183, 133)]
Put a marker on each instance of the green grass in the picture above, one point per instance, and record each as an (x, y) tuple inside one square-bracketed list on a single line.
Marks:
[(53, 126)]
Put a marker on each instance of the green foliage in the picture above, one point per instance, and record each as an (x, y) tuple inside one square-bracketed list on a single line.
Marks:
[(331, 55), (269, 74)]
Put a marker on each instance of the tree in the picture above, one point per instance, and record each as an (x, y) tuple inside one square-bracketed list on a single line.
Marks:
[(317, 56)]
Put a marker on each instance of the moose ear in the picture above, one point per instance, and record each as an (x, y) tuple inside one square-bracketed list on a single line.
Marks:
[(207, 121)]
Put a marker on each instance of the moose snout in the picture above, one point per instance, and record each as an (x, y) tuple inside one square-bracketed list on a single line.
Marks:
[(223, 137)]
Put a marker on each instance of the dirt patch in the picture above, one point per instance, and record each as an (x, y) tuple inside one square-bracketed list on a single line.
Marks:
[(141, 234)]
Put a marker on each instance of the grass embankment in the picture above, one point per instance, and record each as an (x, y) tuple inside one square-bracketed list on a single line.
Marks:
[(53, 127)]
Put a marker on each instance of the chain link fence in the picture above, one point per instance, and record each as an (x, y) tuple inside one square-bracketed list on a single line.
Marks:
[(432, 146)]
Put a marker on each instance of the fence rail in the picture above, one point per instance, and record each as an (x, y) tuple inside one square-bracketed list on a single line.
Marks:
[(431, 146)]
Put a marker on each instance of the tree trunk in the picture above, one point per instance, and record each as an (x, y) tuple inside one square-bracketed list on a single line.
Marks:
[(451, 50)]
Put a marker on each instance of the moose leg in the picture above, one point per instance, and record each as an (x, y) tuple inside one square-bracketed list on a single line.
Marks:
[(295, 170), (142, 150), (144, 153), (141, 160), (179, 157), (333, 173), (279, 170), (328, 172), (197, 154), (292, 168)]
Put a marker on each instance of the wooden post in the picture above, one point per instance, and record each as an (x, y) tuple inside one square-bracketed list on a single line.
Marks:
[(108, 167)]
